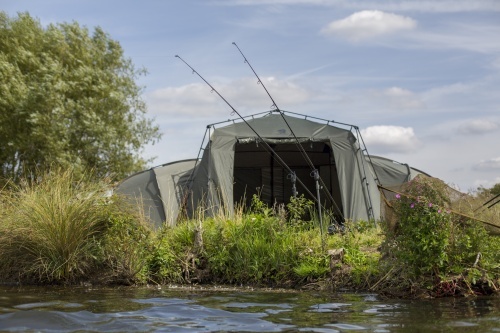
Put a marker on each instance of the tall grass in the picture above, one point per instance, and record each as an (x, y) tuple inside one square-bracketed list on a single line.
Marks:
[(262, 247), (52, 230)]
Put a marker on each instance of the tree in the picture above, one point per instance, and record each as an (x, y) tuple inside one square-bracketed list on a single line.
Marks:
[(68, 98), (495, 190)]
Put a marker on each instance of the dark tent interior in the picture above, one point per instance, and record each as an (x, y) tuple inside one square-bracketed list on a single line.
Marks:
[(257, 171)]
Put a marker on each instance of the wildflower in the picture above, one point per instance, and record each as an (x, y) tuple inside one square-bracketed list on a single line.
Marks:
[(430, 204), (412, 205), (439, 211), (398, 196)]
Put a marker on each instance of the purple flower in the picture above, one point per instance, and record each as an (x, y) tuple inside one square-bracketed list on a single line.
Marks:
[(439, 211), (412, 205), (430, 204), (398, 196)]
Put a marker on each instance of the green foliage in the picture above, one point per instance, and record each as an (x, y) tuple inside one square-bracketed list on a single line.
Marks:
[(68, 98), (256, 249), (258, 206), (298, 209), (430, 241), (63, 229), (361, 241), (423, 236), (124, 247), (172, 259), (312, 267), (495, 190)]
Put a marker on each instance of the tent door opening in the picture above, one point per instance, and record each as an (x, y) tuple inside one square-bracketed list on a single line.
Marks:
[(256, 171)]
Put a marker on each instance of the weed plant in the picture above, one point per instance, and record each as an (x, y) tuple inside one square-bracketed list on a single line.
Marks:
[(432, 247)]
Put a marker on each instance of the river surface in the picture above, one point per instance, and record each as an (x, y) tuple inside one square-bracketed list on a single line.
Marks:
[(236, 310)]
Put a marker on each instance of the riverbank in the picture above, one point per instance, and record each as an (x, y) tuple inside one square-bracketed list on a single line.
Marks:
[(65, 231)]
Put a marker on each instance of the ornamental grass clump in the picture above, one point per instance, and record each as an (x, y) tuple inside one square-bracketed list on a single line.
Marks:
[(59, 229)]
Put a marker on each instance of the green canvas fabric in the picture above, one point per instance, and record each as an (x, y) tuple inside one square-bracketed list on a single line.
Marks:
[(235, 161), (159, 190), (172, 182), (214, 180)]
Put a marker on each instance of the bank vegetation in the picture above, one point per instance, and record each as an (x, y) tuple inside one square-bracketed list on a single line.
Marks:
[(68, 229)]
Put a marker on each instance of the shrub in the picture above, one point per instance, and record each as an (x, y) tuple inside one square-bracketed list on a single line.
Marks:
[(431, 243)]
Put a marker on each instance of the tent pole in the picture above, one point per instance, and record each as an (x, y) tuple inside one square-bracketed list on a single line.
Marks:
[(209, 171), (315, 174)]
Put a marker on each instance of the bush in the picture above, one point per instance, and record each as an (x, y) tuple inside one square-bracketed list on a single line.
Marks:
[(431, 243)]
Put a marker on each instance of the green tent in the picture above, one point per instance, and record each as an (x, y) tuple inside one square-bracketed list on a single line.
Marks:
[(258, 156)]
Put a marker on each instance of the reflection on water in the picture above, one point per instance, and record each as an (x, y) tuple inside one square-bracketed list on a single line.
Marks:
[(223, 310)]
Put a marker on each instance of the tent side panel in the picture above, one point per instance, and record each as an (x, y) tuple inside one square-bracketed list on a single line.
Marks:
[(172, 182), (142, 188), (213, 184), (351, 186)]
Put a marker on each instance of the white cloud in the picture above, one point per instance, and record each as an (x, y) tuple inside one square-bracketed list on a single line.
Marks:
[(388, 139), (488, 165), (369, 23), (478, 126), (400, 98), (243, 94)]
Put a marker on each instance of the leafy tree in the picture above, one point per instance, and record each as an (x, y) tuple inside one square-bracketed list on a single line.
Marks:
[(68, 98), (495, 190)]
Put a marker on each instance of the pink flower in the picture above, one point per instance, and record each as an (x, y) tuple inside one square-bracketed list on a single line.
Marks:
[(412, 205), (398, 196), (430, 204), (439, 211)]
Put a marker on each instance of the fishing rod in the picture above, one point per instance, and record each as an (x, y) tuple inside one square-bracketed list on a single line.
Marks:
[(487, 202), (259, 81), (269, 149), (493, 204), (314, 173)]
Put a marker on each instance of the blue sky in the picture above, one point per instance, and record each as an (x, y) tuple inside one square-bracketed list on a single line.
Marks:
[(421, 79)]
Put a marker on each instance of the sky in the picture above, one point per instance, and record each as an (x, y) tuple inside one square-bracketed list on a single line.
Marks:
[(421, 79)]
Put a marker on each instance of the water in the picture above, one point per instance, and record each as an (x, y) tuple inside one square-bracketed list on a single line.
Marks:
[(235, 310)]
